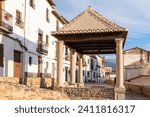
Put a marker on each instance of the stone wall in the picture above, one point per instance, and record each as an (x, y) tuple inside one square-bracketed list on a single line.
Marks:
[(31, 82), (134, 71), (139, 89), (40, 82), (89, 93), (16, 91), (10, 79), (146, 90)]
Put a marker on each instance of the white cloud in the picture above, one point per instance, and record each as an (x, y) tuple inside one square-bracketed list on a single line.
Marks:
[(132, 14)]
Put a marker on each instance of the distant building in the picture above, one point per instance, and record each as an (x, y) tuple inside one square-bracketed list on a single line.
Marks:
[(108, 70), (93, 68), (136, 63), (136, 56)]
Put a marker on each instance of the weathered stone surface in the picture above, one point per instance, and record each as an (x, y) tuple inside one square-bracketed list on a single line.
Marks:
[(88, 93), (146, 90), (15, 91), (9, 79), (34, 82), (126, 86), (133, 87)]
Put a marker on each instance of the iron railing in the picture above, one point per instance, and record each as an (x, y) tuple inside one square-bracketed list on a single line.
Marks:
[(6, 21), (42, 47)]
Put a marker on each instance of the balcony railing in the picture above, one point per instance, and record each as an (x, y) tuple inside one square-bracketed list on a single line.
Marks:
[(42, 47), (6, 21)]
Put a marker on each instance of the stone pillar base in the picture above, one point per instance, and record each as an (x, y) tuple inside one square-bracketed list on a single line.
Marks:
[(59, 86), (119, 93), (80, 85), (72, 85)]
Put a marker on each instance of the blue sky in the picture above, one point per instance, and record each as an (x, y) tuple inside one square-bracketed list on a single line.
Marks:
[(131, 14)]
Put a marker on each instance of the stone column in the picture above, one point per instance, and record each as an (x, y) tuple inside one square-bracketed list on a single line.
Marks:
[(119, 87), (72, 66), (60, 64), (81, 70)]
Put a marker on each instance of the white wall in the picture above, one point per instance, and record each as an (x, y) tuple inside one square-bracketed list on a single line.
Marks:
[(35, 19)]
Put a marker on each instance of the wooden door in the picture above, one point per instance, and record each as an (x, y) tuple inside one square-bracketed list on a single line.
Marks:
[(39, 66), (17, 64), (53, 70), (66, 74)]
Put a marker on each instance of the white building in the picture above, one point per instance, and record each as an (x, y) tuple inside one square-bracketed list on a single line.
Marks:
[(26, 45), (93, 71), (136, 63), (27, 48)]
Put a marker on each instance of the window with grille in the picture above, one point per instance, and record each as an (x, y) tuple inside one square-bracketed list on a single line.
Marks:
[(66, 51), (47, 40), (30, 61), (47, 65), (19, 19), (47, 15)]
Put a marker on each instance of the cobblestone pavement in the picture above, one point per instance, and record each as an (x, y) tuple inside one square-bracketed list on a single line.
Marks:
[(129, 95)]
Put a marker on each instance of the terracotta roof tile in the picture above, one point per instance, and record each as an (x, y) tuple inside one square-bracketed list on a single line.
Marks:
[(89, 21)]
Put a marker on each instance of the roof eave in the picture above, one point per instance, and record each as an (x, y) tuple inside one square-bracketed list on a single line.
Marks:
[(51, 2), (54, 12)]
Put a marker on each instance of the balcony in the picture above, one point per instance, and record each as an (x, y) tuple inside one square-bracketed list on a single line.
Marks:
[(42, 48), (6, 22)]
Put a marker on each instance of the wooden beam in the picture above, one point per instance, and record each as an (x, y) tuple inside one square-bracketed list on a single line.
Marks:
[(108, 51), (93, 45), (95, 48), (113, 52)]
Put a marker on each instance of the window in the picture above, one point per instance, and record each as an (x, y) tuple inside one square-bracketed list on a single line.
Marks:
[(88, 74), (77, 59), (83, 72), (57, 25), (94, 74), (40, 35), (47, 40), (66, 51), (32, 3), (1, 55), (92, 65), (47, 15), (30, 61), (47, 65), (19, 19)]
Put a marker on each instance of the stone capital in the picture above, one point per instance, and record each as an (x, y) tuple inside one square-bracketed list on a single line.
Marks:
[(80, 55)]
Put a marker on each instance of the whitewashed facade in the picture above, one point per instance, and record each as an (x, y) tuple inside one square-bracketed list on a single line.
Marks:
[(27, 47), (36, 16)]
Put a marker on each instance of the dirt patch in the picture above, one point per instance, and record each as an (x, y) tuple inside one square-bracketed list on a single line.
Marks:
[(15, 91)]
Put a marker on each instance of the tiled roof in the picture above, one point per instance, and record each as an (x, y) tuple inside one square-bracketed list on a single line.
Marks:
[(89, 21)]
